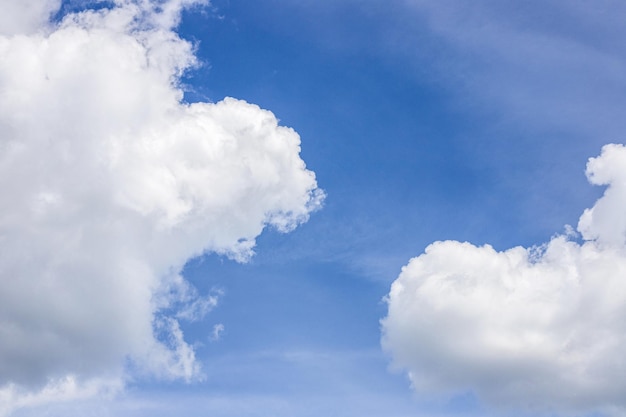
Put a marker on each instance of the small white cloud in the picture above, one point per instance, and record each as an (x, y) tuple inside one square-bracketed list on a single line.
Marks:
[(539, 328), (217, 332), (190, 306)]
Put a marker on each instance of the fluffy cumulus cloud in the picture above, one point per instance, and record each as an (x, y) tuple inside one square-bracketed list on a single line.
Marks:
[(540, 328), (110, 183)]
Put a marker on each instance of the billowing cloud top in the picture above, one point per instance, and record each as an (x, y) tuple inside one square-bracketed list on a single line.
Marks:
[(541, 328), (110, 184)]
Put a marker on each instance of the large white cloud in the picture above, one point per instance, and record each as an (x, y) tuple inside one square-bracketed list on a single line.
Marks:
[(110, 184), (542, 328)]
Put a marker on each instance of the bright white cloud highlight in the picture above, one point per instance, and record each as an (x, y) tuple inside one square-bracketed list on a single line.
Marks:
[(541, 328), (25, 16), (65, 389), (109, 185)]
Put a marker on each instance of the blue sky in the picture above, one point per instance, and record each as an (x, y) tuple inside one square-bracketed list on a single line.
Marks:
[(422, 121)]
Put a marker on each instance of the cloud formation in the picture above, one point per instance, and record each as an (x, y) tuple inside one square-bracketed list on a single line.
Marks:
[(538, 328), (110, 184)]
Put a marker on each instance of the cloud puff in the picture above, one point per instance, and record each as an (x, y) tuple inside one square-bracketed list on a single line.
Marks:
[(110, 184), (541, 328)]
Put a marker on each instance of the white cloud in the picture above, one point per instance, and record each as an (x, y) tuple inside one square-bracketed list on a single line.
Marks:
[(65, 389), (216, 335), (109, 185), (25, 16), (193, 307), (539, 328)]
